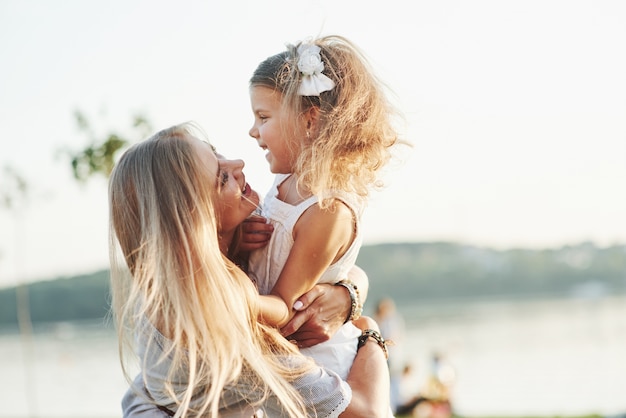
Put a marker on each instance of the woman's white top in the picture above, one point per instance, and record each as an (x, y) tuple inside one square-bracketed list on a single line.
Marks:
[(323, 392)]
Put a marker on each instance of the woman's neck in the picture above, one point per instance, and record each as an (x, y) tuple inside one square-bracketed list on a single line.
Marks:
[(225, 238)]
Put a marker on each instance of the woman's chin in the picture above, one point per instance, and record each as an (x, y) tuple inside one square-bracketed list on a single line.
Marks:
[(253, 199)]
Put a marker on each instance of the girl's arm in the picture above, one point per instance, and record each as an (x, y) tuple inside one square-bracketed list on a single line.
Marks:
[(321, 236), (273, 310)]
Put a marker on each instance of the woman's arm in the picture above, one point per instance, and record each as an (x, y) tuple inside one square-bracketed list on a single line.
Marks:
[(369, 378), (136, 405), (323, 310), (365, 394)]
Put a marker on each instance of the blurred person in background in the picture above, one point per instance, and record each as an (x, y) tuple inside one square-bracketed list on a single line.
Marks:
[(392, 329)]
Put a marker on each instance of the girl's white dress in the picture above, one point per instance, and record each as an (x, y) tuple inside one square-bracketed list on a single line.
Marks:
[(336, 354)]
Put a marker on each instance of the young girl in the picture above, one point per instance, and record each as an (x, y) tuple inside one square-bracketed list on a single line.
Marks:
[(326, 125)]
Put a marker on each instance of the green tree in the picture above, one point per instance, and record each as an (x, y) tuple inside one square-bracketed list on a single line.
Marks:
[(98, 157)]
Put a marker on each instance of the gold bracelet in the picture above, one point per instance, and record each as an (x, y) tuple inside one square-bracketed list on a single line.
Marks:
[(377, 337), (355, 300)]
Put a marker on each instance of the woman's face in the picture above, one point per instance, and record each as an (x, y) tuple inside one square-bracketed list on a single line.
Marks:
[(236, 199)]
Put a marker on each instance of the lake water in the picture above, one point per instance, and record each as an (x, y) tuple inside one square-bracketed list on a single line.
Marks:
[(565, 356), (559, 357)]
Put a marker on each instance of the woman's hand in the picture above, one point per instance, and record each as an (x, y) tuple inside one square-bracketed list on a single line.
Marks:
[(256, 233), (323, 310), (320, 313)]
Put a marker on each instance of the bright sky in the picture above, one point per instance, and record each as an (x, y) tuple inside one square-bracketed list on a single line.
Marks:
[(517, 110)]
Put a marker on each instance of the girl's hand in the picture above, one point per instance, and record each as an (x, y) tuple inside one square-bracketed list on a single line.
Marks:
[(256, 233)]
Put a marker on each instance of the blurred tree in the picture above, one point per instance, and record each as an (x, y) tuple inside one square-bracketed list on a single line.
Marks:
[(14, 192), (13, 189), (99, 156)]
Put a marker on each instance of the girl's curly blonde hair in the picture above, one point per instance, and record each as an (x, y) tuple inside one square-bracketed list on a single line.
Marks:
[(355, 131)]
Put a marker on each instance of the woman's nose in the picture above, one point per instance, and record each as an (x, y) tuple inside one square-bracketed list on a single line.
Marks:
[(233, 165), (239, 164)]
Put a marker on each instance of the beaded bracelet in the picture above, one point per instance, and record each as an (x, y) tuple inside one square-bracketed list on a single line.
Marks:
[(355, 300), (376, 336)]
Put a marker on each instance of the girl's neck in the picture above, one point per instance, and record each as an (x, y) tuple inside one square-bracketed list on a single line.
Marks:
[(289, 191)]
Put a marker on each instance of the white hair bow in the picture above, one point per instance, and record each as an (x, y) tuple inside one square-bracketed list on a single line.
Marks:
[(311, 66)]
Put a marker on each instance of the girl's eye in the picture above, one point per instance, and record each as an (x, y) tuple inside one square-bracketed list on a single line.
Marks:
[(223, 178)]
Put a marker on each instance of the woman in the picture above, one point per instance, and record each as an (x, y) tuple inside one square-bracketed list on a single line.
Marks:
[(190, 313)]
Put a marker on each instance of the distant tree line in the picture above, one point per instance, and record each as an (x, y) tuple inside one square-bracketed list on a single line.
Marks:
[(407, 272), (62, 299), (419, 271)]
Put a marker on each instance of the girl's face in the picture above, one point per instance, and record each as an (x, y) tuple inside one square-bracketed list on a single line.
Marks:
[(274, 129), (236, 199)]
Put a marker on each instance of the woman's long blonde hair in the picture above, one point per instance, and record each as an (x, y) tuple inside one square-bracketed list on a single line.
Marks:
[(356, 128), (171, 272)]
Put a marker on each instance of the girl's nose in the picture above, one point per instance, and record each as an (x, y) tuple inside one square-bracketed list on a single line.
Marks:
[(254, 132)]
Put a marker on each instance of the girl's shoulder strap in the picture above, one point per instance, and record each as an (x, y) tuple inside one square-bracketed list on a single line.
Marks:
[(356, 203), (278, 180)]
